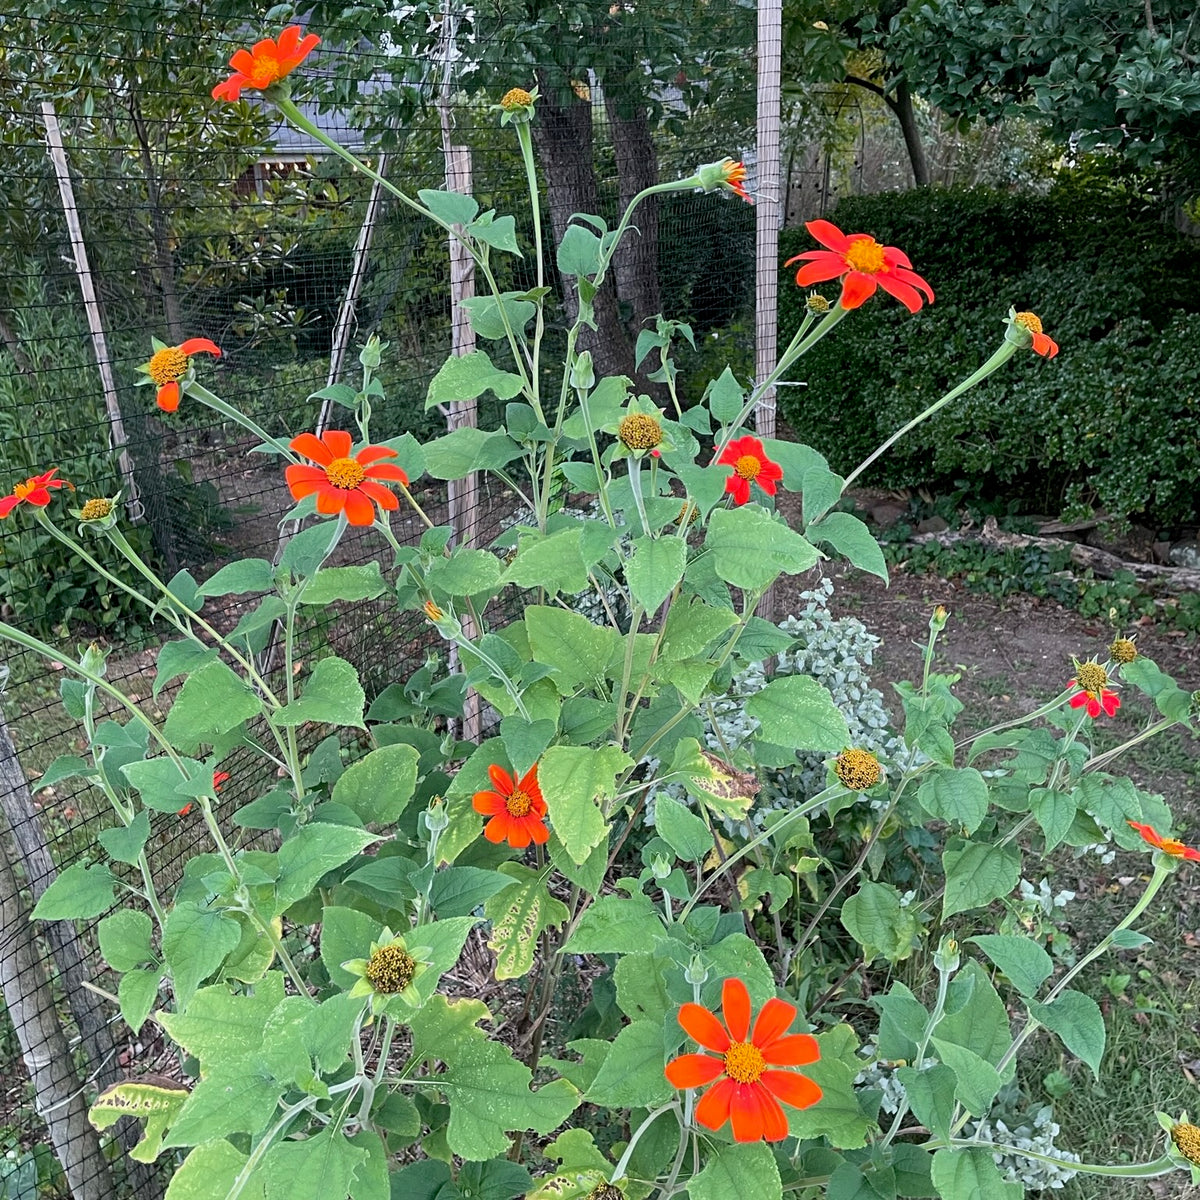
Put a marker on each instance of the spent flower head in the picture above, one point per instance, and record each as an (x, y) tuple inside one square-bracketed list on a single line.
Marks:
[(388, 972), (639, 430), (1122, 650), (517, 106), (857, 770)]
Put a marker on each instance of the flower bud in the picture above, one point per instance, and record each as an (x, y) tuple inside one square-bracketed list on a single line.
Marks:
[(372, 353), (696, 973), (938, 619), (436, 816), (947, 958)]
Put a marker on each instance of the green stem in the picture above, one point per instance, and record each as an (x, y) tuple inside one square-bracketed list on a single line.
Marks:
[(652, 1116), (525, 140), (1006, 351), (1094, 764), (209, 399), (635, 482), (1148, 1170)]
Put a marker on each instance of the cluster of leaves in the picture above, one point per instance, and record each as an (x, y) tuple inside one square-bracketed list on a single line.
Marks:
[(1117, 414)]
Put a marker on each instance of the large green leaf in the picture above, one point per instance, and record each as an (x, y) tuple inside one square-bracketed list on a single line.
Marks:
[(748, 1170), (851, 538), (576, 781), (195, 941), (212, 701), (977, 873), (467, 376), (79, 892), (519, 914), (656, 567), (958, 796), (632, 1074), (315, 1168), (232, 1098), (1076, 1019), (220, 1026), (345, 583), (331, 694), (977, 1081), (797, 712), (552, 562), (310, 853), (577, 649), (210, 1170), (750, 548), (466, 572), (1025, 963), (378, 787), (681, 829), (125, 939), (616, 925), (879, 923), (958, 1174), (241, 577)]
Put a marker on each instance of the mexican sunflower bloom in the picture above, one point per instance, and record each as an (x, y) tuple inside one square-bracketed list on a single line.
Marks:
[(219, 777), (735, 178), (267, 63), (750, 465), (1091, 679), (749, 1090), (1043, 344), (862, 264), (1166, 845), (343, 483), (35, 490), (516, 807), (169, 364)]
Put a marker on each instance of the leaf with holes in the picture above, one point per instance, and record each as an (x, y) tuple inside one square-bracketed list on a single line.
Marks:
[(519, 914)]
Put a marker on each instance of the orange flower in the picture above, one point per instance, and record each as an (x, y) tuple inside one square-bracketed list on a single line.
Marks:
[(750, 464), (862, 264), (517, 809), (169, 364), (344, 483), (266, 64), (1166, 845), (1044, 345), (219, 777), (749, 1091), (734, 178), (35, 490)]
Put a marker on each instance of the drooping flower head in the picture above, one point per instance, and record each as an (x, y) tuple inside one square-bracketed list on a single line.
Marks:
[(1169, 846), (170, 364), (35, 490), (857, 770), (516, 808), (724, 175), (1092, 681), (862, 265), (747, 1089), (1042, 344), (750, 465), (344, 483), (735, 179), (266, 63)]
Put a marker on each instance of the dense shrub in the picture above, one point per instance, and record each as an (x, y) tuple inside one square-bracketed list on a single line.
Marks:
[(1112, 420)]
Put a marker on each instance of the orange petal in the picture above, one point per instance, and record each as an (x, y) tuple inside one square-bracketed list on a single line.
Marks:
[(694, 1070), (774, 1120), (529, 784), (488, 803), (536, 828), (242, 60), (904, 292), (496, 830), (198, 345), (518, 835), (387, 471), (338, 441), (829, 266), (829, 235), (774, 1021), (712, 1109), (359, 509), (795, 1051), (792, 1088), (311, 447), (371, 454), (377, 492), (735, 1008), (856, 288), (168, 396), (502, 779), (331, 500), (702, 1026), (746, 1113)]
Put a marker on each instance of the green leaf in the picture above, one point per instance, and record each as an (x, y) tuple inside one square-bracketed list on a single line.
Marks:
[(681, 829), (748, 1170), (902, 1022), (876, 920), (378, 787), (959, 797), (655, 568), (849, 1182), (315, 1168), (136, 995), (797, 712), (467, 376), (853, 540), (519, 914), (125, 939), (125, 843), (150, 1102), (578, 650), (750, 548), (467, 449), (238, 578), (500, 233), (704, 485), (179, 658), (458, 891), (796, 460), (632, 1074), (977, 1081), (725, 397), (838, 1115), (1025, 963), (1054, 811), (212, 701), (210, 1170), (158, 781), (1076, 1019), (232, 1098), (578, 252), (331, 694), (455, 208), (977, 874), (958, 1174), (310, 853), (344, 583), (346, 934), (66, 766), (822, 490), (465, 573), (616, 925), (195, 941), (524, 741), (692, 626), (220, 1026), (931, 1095), (79, 892), (552, 562), (486, 314), (975, 1016), (579, 780)]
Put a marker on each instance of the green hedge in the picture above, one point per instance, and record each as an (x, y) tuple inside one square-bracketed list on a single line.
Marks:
[(1111, 421)]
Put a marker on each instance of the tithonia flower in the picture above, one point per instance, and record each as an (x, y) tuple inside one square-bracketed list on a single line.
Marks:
[(267, 63), (750, 465), (1166, 845), (390, 970), (517, 809), (35, 490), (434, 613), (96, 509), (1186, 1137), (749, 1090), (169, 364), (1123, 650), (639, 431), (1091, 679), (1046, 346), (343, 483), (735, 178), (219, 777), (516, 97), (862, 264), (857, 770)]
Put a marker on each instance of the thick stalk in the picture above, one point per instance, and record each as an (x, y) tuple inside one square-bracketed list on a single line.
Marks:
[(209, 399)]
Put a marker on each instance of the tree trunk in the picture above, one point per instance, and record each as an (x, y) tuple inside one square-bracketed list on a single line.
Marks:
[(901, 104), (30, 1003), (562, 133)]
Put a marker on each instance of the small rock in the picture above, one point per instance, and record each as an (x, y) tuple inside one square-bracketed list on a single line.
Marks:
[(933, 525), (887, 514), (1185, 554)]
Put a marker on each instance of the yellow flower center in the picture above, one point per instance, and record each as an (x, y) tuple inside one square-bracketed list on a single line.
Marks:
[(390, 969), (432, 611), (265, 71), (345, 473), (744, 1062), (1171, 846), (168, 365), (1091, 677), (748, 466), (1187, 1142), (21, 490), (1122, 650), (865, 255), (639, 431), (515, 98), (605, 1191), (1030, 321), (95, 510), (857, 770), (519, 804)]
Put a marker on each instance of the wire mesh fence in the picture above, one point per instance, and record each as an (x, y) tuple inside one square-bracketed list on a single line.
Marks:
[(167, 216)]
